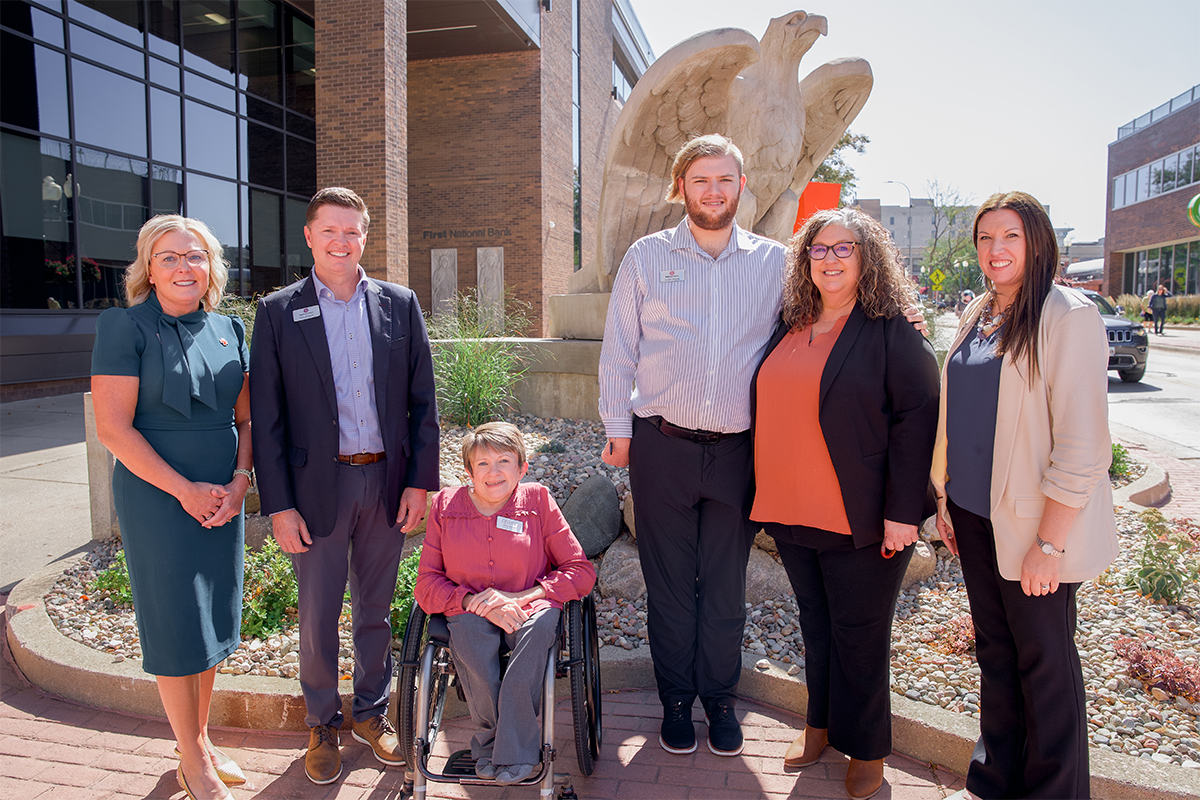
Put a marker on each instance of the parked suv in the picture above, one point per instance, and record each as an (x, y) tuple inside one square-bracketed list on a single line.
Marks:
[(1128, 343)]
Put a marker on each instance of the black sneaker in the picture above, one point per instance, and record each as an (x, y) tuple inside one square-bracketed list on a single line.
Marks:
[(724, 731), (677, 734)]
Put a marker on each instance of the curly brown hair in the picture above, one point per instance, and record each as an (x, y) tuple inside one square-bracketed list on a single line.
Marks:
[(883, 286)]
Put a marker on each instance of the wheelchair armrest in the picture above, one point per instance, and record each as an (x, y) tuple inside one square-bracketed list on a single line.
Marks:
[(439, 630)]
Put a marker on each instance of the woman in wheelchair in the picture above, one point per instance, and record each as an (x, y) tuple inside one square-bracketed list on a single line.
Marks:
[(499, 561)]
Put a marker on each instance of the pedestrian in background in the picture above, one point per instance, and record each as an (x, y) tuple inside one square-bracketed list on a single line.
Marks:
[(1021, 470), (1158, 307), (844, 408)]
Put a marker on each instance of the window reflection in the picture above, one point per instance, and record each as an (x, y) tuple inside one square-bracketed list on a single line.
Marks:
[(265, 155), (112, 204), (121, 18), (164, 74), (1179, 273), (165, 127), (110, 109), (259, 52), (301, 166), (1193, 267), (46, 27), (106, 51), (301, 66), (264, 112), (204, 89), (266, 240), (208, 37), (299, 256), (37, 259), (162, 22), (211, 140), (40, 102), (215, 201), (166, 186)]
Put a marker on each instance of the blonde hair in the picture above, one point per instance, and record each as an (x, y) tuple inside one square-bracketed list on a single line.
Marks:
[(337, 196), (499, 437), (137, 274), (714, 144)]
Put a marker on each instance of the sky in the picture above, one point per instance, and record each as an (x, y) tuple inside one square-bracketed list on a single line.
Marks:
[(981, 95)]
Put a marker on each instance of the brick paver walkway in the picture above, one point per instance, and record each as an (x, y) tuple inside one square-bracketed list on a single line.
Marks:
[(54, 749)]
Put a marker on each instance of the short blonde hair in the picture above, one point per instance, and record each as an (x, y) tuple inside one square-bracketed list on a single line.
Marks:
[(714, 144), (137, 274), (499, 437)]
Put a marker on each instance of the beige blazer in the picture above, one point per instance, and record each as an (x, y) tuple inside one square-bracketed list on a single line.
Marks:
[(1052, 439)]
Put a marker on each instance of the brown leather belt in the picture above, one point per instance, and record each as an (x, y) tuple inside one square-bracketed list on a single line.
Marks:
[(699, 437), (358, 459)]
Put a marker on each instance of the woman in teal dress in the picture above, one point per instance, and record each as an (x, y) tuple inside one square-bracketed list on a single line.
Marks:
[(169, 387)]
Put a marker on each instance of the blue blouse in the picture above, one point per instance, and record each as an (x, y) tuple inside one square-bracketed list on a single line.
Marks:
[(972, 391)]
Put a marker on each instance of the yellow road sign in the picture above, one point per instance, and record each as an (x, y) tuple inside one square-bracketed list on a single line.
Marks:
[(937, 277), (937, 287)]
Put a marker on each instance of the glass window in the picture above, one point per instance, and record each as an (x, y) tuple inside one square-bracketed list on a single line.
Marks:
[(299, 256), (215, 201), (302, 126), (166, 187), (211, 140), (53, 5), (1156, 178), (1179, 269), (1142, 184), (301, 167), (46, 27), (1118, 192), (208, 37), (163, 25), (1152, 268), (219, 95), (1170, 169), (165, 127), (300, 67), (1165, 270), (40, 103), (112, 205), (1193, 277), (107, 52), (264, 148), (1187, 162), (18, 16), (1141, 272), (164, 74), (260, 58), (121, 18), (266, 242), (37, 259), (264, 112), (1128, 273), (110, 109)]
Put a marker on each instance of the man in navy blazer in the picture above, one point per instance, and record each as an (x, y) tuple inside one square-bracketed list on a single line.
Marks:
[(346, 446)]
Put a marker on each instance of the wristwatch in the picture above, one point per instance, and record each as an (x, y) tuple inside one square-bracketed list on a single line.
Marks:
[(1048, 548)]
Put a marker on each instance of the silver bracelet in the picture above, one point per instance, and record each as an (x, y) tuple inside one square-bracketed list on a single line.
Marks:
[(249, 475)]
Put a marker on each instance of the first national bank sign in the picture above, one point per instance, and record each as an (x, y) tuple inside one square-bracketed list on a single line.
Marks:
[(467, 233)]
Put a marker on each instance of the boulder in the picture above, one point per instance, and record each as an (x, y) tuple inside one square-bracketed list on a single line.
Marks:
[(594, 514), (258, 530), (929, 531), (766, 579), (921, 565), (621, 571), (628, 514), (764, 541)]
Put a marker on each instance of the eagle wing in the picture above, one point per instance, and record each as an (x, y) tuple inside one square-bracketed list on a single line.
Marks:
[(683, 94), (833, 94)]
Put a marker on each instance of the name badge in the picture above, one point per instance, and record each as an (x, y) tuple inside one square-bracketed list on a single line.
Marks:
[(671, 275), (514, 525), (301, 314)]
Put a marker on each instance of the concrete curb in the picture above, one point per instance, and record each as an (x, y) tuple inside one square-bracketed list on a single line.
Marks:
[(1151, 490), (920, 731)]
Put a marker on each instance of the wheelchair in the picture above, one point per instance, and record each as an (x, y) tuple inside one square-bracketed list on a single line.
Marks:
[(427, 675)]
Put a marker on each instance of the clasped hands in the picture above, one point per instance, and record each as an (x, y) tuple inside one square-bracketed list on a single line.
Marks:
[(499, 608), (211, 504)]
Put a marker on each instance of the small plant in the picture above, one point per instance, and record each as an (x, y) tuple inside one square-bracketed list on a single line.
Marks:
[(1159, 668), (475, 367), (269, 595), (1120, 462), (243, 307), (955, 637), (553, 446), (406, 580), (114, 582), (1166, 567)]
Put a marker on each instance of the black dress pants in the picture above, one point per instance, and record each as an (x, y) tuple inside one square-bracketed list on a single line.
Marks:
[(693, 537), (1033, 732), (846, 597)]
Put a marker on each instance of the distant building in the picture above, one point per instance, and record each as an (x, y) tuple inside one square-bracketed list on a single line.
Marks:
[(1153, 170), (896, 220)]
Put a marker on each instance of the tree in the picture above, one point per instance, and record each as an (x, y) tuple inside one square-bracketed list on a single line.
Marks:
[(951, 247), (834, 168)]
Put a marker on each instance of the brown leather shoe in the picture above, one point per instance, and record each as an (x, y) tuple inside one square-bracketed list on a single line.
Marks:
[(807, 749), (864, 778), (381, 736), (323, 761)]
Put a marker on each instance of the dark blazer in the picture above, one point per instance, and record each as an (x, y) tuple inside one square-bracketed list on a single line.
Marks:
[(294, 406), (878, 412)]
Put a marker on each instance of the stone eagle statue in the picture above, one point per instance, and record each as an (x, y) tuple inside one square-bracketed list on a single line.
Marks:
[(725, 81)]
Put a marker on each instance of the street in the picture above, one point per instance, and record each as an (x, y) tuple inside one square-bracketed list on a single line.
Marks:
[(1163, 410)]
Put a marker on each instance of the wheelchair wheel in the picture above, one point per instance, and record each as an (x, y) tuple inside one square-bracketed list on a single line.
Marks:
[(406, 682), (583, 641)]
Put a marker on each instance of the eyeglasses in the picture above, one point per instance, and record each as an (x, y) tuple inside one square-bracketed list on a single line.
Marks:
[(170, 259), (817, 252)]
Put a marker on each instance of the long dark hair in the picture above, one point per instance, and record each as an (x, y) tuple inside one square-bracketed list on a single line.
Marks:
[(1020, 336)]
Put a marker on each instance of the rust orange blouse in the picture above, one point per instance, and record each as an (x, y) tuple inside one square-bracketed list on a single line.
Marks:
[(796, 483)]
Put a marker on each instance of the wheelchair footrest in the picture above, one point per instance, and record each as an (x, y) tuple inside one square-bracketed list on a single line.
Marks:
[(460, 765)]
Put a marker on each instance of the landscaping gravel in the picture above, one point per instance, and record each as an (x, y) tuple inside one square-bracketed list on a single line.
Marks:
[(1123, 715)]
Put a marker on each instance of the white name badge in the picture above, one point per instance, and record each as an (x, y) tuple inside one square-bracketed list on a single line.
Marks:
[(514, 525), (671, 275), (301, 314)]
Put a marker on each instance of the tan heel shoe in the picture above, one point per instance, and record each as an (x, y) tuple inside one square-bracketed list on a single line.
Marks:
[(864, 779), (807, 748), (188, 791), (227, 769)]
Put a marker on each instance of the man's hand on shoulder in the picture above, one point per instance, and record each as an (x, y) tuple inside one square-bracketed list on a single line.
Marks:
[(917, 317), (412, 508), (290, 531), (616, 452)]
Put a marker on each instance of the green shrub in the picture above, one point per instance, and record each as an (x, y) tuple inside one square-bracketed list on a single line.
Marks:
[(1120, 461), (474, 367), (553, 446), (406, 580), (114, 582), (269, 591), (242, 307), (1167, 567), (1183, 307), (1132, 305)]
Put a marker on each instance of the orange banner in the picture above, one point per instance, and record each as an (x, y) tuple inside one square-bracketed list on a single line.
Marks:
[(817, 197)]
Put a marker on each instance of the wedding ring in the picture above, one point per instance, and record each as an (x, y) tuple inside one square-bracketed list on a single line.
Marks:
[(1045, 586)]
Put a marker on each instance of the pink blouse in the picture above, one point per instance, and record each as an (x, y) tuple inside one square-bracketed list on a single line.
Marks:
[(465, 552)]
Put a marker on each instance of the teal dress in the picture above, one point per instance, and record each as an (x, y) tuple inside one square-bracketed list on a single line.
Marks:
[(186, 579)]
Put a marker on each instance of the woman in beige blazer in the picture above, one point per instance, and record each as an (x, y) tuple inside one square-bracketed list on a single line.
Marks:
[(1021, 472)]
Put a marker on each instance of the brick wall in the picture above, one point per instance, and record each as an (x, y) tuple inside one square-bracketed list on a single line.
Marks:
[(1159, 220), (362, 133), (598, 112)]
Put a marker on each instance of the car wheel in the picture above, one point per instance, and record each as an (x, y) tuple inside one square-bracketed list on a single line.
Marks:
[(1132, 375)]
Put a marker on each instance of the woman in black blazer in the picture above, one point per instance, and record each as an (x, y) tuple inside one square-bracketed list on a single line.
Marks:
[(845, 408)]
